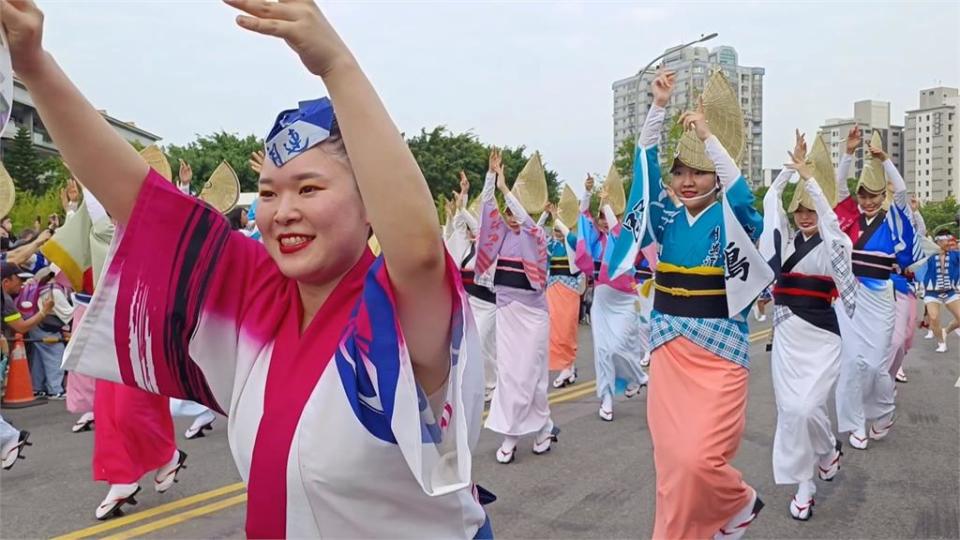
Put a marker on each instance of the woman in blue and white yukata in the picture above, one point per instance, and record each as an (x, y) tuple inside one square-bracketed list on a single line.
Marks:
[(883, 240)]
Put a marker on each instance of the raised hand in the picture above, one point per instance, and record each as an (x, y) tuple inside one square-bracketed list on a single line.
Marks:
[(800, 146), (697, 121), (588, 185), (604, 195), (186, 172), (877, 153), (256, 161), (302, 25), (502, 181), (449, 206), (662, 87), (464, 184), (854, 139), (550, 208), (23, 22), (914, 203), (495, 161), (799, 164)]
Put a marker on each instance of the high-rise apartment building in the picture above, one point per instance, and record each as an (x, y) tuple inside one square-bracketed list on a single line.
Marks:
[(932, 168), (694, 65), (870, 115)]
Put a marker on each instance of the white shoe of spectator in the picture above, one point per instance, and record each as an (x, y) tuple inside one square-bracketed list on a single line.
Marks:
[(929, 334), (942, 347)]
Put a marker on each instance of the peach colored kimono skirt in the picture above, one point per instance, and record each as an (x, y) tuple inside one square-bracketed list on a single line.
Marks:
[(564, 307), (696, 410)]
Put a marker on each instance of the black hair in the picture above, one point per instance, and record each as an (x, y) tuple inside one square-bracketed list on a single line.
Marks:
[(235, 218)]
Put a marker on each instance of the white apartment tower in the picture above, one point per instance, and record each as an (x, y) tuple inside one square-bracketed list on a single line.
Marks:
[(870, 115), (932, 149), (694, 65)]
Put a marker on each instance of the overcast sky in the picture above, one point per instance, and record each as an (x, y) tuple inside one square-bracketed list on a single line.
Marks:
[(534, 73)]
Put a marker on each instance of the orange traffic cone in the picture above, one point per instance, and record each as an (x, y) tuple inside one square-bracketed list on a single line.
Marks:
[(19, 391)]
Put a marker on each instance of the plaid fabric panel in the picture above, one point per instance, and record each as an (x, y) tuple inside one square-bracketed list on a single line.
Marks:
[(843, 276), (725, 338)]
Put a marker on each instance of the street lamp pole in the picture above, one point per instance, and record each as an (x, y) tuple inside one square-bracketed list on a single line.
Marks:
[(640, 73)]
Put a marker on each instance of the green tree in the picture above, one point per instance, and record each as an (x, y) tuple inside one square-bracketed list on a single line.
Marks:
[(25, 165), (204, 154), (442, 154), (29, 206), (624, 154), (940, 214)]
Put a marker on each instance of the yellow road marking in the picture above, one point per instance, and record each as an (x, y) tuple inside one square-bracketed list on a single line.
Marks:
[(580, 391), (566, 394), (180, 518), (162, 509)]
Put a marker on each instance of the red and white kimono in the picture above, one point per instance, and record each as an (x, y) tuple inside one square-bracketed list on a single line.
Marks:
[(328, 427)]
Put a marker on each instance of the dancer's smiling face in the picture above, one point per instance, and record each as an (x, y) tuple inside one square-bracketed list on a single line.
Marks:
[(693, 186), (806, 220), (871, 203), (311, 217)]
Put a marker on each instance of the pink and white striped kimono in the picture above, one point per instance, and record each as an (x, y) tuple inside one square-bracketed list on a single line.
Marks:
[(328, 427)]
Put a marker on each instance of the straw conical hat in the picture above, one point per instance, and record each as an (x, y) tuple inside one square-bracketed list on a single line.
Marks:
[(222, 190), (823, 173), (531, 185), (568, 210), (616, 196), (157, 161), (872, 177), (722, 109), (7, 192)]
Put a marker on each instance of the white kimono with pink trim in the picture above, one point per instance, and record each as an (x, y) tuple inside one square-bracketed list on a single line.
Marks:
[(328, 428)]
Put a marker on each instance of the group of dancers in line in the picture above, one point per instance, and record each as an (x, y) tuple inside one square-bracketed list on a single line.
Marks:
[(350, 414)]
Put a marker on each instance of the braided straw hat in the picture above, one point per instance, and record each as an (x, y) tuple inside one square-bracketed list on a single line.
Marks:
[(722, 109), (222, 189), (568, 210), (823, 173), (616, 195), (157, 161), (872, 177), (7, 192), (530, 187)]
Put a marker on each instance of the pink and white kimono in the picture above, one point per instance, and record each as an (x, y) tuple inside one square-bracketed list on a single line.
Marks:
[(328, 427), (519, 406)]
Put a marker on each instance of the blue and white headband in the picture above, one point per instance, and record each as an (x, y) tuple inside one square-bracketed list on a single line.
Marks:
[(298, 130)]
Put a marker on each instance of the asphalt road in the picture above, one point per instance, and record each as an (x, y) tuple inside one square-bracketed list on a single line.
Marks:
[(597, 482)]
